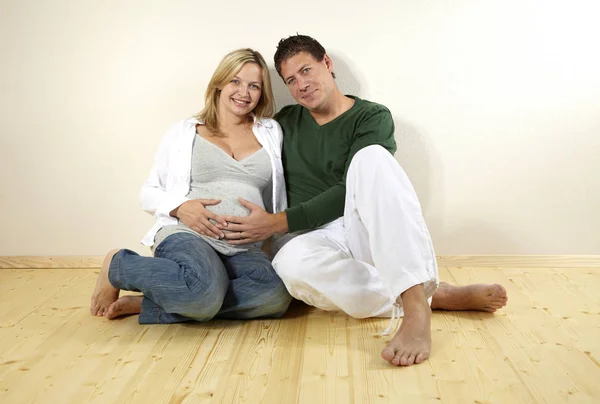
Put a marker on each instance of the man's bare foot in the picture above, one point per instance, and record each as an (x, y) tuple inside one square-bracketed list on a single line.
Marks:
[(412, 342), (104, 294), (480, 297), (124, 306)]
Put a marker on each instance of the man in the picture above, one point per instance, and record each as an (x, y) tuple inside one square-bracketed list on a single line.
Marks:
[(359, 242)]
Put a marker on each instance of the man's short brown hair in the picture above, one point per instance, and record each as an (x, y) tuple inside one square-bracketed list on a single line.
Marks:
[(291, 46)]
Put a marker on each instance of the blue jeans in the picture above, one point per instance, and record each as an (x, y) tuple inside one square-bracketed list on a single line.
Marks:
[(187, 280)]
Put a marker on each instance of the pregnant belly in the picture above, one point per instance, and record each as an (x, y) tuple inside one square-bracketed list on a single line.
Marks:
[(229, 205)]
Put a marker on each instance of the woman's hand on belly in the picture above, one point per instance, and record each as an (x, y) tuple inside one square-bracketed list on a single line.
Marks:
[(258, 226), (194, 214)]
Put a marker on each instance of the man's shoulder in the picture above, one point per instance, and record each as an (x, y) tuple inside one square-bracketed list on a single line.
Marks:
[(369, 107), (287, 112)]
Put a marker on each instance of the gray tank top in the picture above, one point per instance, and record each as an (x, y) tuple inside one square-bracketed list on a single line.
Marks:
[(217, 175)]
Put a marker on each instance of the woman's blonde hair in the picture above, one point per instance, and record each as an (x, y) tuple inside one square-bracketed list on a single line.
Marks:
[(225, 72)]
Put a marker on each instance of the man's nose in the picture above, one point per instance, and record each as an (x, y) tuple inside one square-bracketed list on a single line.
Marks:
[(303, 84)]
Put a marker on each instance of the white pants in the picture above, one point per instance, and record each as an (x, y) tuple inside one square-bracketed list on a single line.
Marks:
[(362, 262)]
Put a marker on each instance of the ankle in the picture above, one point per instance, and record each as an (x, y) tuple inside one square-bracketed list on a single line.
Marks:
[(414, 296), (415, 308)]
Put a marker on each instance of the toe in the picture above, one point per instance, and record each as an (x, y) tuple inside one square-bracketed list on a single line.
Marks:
[(397, 361), (388, 354), (421, 357), (496, 303), (411, 359), (404, 359)]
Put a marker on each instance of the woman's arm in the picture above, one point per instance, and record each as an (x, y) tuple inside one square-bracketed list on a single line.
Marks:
[(158, 201), (154, 197)]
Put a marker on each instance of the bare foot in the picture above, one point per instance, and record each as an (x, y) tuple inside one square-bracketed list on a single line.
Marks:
[(412, 342), (480, 297), (104, 293), (125, 305)]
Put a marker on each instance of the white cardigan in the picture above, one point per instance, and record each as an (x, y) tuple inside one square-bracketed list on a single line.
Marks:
[(169, 181)]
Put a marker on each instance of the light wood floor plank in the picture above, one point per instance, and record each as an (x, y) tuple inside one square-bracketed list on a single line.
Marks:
[(536, 344), (45, 262), (325, 370), (31, 290), (520, 261), (544, 347)]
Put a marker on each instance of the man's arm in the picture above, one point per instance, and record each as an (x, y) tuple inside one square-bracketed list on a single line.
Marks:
[(377, 128), (257, 226)]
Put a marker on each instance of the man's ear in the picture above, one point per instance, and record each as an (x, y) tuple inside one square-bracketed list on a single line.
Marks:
[(328, 63)]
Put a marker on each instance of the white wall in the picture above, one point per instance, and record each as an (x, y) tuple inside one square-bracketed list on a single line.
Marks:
[(497, 106)]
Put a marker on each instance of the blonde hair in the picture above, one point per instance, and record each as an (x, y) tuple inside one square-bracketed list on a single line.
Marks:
[(225, 72)]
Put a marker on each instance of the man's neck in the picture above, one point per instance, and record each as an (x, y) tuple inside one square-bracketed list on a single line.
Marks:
[(337, 105)]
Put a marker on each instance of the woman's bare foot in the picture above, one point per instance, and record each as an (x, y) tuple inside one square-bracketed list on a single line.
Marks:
[(480, 297), (412, 342), (124, 306), (104, 294)]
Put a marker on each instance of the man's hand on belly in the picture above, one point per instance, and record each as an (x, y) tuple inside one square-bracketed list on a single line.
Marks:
[(257, 226)]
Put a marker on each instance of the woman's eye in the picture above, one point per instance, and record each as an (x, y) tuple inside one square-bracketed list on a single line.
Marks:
[(234, 81)]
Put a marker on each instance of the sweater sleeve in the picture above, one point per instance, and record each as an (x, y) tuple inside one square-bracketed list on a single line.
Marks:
[(377, 128)]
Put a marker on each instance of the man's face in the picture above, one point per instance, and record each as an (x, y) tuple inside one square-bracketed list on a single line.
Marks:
[(310, 82)]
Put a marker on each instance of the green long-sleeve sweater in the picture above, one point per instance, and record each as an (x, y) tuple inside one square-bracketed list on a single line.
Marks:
[(316, 158)]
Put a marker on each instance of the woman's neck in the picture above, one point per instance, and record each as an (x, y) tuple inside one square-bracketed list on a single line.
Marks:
[(233, 121), (229, 123)]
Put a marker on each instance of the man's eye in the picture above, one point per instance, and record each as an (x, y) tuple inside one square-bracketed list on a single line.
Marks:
[(290, 81), (306, 70)]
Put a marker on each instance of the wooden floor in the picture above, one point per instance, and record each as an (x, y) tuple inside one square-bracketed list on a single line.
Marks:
[(544, 347)]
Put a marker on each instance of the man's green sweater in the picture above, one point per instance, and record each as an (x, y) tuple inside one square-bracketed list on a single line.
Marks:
[(316, 158)]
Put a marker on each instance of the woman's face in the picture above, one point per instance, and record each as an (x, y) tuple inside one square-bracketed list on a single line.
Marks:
[(240, 96)]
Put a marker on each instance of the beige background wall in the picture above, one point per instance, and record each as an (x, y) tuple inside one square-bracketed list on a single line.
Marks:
[(497, 106)]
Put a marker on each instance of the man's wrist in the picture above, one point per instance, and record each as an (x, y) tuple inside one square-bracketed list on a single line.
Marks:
[(280, 224)]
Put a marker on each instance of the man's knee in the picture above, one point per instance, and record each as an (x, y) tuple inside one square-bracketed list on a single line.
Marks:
[(372, 153), (372, 160)]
